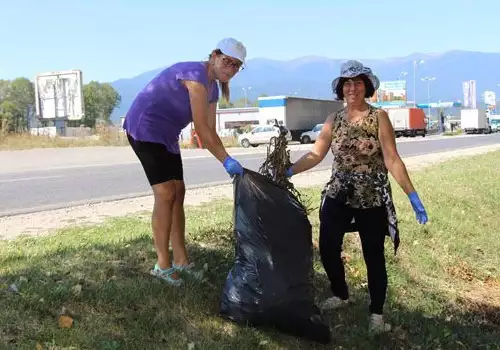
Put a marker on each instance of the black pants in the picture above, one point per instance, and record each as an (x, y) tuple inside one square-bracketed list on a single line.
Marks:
[(335, 218), (159, 164)]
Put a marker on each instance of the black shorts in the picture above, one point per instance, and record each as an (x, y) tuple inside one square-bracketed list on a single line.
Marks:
[(159, 164)]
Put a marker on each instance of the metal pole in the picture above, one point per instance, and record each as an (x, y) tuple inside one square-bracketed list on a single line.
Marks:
[(414, 81), (414, 84), (429, 96)]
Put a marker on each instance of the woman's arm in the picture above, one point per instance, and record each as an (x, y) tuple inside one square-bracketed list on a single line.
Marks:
[(212, 115), (396, 166), (198, 96), (392, 160), (318, 151)]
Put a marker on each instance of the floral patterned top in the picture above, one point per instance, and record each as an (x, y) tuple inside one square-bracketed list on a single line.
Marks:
[(359, 175)]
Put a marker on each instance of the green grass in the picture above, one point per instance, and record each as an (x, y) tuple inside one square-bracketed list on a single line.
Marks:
[(453, 133), (444, 287)]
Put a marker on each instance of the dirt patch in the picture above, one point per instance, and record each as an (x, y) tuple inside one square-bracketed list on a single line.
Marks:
[(479, 300), (461, 271), (485, 292), (480, 303)]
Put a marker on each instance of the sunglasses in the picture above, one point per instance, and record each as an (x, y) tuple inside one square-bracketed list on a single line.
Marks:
[(228, 62)]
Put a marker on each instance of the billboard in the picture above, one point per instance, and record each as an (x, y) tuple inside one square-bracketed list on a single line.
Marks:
[(490, 98), (490, 101), (390, 93), (59, 95), (469, 89)]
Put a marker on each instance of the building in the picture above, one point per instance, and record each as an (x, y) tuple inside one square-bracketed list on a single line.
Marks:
[(298, 114), (227, 119)]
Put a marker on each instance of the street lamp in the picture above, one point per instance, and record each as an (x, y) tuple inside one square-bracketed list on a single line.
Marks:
[(415, 63), (245, 91), (429, 80)]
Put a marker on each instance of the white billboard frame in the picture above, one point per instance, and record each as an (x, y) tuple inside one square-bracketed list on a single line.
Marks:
[(65, 88)]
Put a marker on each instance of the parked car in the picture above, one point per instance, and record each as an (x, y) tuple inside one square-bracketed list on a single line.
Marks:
[(312, 135), (262, 134)]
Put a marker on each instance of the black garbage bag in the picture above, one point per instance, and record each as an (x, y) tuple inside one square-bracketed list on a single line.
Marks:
[(270, 284)]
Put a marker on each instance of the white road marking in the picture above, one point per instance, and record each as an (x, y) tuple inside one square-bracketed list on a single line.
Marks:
[(30, 178), (261, 150)]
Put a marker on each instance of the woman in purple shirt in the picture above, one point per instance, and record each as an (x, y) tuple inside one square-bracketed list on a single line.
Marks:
[(182, 93)]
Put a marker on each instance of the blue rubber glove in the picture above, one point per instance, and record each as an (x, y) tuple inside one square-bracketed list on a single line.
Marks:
[(232, 166), (418, 208), (289, 172)]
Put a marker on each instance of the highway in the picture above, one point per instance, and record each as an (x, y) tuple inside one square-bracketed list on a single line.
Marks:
[(49, 187)]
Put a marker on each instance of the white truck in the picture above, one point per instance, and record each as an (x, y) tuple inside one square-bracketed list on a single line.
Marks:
[(297, 114), (495, 122), (474, 121)]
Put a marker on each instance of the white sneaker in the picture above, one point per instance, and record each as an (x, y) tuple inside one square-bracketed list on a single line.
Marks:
[(377, 324), (333, 303), (189, 269)]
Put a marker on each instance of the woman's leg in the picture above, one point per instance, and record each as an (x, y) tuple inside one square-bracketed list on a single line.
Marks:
[(372, 232), (178, 229), (164, 199), (334, 217), (178, 224), (372, 225), (178, 232)]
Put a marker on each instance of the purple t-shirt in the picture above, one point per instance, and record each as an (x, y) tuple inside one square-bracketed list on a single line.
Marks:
[(162, 109)]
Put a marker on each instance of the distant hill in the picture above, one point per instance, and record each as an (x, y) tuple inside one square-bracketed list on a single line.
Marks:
[(311, 76)]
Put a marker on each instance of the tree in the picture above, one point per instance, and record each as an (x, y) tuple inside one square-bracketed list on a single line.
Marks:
[(8, 113), (17, 98), (99, 102), (22, 93), (4, 89), (240, 103), (225, 104)]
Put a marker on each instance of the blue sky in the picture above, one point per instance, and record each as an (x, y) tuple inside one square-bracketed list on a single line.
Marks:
[(111, 39)]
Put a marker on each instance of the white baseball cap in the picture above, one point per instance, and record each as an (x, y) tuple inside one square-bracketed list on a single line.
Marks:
[(233, 48)]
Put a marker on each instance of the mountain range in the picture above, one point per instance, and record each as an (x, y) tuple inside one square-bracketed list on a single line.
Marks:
[(311, 76)]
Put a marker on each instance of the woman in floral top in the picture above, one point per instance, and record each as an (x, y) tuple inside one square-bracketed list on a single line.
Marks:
[(358, 195)]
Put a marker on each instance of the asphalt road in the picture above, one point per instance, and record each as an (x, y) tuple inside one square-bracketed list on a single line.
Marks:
[(58, 187)]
